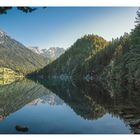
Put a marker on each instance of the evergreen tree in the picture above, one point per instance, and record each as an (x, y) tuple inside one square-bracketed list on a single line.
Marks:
[(4, 10)]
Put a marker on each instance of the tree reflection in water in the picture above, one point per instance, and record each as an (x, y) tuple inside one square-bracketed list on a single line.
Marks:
[(89, 100)]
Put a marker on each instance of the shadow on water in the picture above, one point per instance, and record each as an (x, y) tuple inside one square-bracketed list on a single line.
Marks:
[(91, 101)]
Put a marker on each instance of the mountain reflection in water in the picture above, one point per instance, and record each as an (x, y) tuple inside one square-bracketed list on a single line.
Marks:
[(56, 107)]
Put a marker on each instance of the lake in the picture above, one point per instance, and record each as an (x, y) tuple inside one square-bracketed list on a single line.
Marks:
[(56, 107)]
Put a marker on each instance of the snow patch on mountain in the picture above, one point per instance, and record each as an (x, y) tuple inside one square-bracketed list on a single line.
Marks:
[(2, 35), (51, 53), (35, 49)]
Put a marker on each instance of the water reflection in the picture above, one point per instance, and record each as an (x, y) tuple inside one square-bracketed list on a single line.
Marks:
[(92, 102), (79, 97), (19, 93)]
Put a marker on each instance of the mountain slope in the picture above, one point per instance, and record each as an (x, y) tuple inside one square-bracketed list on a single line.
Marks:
[(125, 66), (75, 57), (17, 57)]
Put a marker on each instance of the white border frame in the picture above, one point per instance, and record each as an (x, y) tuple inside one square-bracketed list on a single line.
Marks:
[(118, 3), (69, 2)]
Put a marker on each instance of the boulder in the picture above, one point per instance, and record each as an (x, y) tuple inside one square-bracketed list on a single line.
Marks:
[(21, 128)]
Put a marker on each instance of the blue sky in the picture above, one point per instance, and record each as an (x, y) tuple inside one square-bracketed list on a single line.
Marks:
[(62, 26)]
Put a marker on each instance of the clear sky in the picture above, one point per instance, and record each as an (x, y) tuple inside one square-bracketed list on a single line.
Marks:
[(62, 26)]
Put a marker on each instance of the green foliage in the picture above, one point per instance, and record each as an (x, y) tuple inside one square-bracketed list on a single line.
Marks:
[(76, 57), (3, 10), (15, 56), (126, 67), (8, 73), (138, 17), (94, 58)]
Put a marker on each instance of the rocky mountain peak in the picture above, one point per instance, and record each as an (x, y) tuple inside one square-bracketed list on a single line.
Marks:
[(2, 33), (51, 53)]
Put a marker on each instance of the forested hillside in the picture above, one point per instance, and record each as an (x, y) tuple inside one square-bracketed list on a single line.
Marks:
[(17, 57), (125, 66), (76, 57), (92, 57)]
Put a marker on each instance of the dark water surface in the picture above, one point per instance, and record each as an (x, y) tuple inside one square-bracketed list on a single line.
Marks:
[(62, 107)]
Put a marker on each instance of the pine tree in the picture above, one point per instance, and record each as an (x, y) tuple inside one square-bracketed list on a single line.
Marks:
[(4, 10), (138, 18)]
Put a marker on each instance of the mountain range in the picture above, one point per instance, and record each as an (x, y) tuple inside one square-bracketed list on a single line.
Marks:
[(74, 62), (51, 53), (93, 58), (90, 57), (17, 57)]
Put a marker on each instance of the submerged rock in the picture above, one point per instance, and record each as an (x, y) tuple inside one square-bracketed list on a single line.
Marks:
[(21, 128)]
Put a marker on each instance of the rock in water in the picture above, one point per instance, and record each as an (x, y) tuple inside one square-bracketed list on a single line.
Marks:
[(21, 128)]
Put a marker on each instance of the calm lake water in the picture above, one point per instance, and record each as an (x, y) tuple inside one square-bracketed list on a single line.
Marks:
[(62, 107)]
